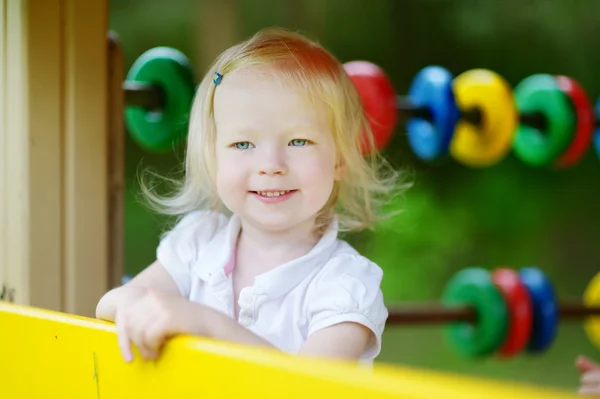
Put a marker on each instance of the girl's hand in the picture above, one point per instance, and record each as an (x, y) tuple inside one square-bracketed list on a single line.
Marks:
[(590, 377), (152, 319)]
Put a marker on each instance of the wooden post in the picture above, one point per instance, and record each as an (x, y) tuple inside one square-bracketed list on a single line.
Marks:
[(85, 154), (116, 160), (3, 221), (53, 190), (31, 152)]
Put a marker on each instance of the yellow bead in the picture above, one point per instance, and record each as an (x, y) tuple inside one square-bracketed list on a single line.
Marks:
[(591, 297), (487, 144)]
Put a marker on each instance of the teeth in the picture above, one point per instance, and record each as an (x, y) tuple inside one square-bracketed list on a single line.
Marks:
[(273, 193)]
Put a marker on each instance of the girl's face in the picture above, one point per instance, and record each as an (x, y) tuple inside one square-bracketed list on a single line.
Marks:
[(276, 161)]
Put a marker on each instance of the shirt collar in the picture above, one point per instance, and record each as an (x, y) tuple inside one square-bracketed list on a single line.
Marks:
[(217, 253), (276, 282)]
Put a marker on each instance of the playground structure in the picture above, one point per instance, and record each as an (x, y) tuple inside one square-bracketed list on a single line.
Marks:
[(57, 355), (60, 237)]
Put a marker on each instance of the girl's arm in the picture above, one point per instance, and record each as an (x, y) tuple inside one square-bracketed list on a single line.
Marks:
[(341, 341), (222, 327), (154, 277), (155, 318), (346, 341)]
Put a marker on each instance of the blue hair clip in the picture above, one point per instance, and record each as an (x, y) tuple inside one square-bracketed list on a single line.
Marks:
[(218, 79)]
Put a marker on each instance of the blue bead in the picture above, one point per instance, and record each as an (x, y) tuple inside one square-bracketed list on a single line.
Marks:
[(432, 88), (545, 309)]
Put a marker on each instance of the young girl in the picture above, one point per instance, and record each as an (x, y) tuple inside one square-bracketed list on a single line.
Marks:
[(274, 169)]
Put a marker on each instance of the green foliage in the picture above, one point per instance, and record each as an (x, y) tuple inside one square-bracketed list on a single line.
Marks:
[(422, 241)]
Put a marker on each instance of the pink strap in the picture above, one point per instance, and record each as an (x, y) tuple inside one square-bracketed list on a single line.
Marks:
[(229, 266)]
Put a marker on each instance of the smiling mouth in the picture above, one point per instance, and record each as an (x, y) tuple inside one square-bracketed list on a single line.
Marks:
[(272, 193)]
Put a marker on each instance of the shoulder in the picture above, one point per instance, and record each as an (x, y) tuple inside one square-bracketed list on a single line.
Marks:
[(197, 224), (348, 289), (347, 265), (179, 247), (351, 272), (193, 230)]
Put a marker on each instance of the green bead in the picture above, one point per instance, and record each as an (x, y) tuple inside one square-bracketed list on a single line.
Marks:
[(474, 287), (157, 130), (541, 93)]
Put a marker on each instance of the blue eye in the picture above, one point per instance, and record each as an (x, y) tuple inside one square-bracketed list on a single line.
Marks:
[(298, 142), (242, 145)]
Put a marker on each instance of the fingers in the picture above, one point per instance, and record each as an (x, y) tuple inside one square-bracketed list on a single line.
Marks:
[(585, 364), (154, 337), (131, 323), (591, 378), (590, 383), (123, 336), (146, 325), (138, 327), (589, 391)]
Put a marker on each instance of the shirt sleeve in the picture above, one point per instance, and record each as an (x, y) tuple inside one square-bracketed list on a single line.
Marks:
[(178, 249), (349, 290)]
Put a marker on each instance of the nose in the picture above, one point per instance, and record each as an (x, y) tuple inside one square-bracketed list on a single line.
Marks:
[(272, 162)]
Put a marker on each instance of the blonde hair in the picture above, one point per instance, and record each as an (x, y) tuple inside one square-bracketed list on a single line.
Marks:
[(367, 182)]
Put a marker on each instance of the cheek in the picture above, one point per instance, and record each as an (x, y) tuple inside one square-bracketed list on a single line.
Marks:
[(229, 173), (317, 173)]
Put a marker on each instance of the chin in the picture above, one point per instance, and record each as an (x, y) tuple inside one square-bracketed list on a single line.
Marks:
[(276, 222), (274, 225)]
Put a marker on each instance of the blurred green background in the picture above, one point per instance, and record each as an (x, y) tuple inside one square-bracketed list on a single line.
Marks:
[(454, 217)]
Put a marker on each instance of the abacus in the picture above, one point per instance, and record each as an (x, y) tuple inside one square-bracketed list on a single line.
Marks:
[(503, 311), (476, 117)]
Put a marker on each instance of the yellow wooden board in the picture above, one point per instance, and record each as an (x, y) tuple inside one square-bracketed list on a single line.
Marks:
[(45, 354)]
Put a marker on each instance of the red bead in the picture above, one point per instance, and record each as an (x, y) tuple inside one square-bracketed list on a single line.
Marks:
[(520, 310), (584, 124), (378, 98)]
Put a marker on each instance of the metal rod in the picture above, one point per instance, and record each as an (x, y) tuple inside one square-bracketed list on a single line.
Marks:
[(435, 313), (143, 95), (472, 116)]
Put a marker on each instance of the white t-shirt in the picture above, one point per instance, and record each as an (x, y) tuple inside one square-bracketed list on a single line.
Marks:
[(333, 283)]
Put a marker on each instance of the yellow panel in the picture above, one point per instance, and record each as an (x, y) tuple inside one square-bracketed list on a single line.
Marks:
[(46, 354)]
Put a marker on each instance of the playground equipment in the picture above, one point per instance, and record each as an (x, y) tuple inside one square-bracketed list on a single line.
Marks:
[(56, 90), (52, 354), (503, 312), (476, 117)]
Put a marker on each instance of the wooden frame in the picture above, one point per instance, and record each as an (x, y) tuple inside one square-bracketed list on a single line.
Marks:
[(53, 173), (116, 161)]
